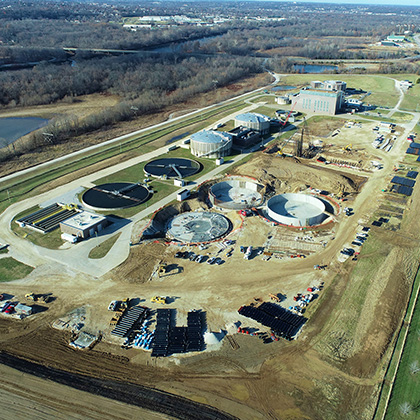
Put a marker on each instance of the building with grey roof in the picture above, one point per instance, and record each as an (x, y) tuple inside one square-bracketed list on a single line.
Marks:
[(211, 144)]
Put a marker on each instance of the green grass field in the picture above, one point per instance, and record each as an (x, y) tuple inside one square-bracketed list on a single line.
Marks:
[(102, 249), (10, 269), (407, 384)]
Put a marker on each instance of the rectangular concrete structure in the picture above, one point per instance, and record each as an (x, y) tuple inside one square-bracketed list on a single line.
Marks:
[(84, 224), (326, 102)]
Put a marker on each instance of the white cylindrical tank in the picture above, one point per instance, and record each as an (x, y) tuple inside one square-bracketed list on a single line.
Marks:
[(211, 144), (296, 209), (256, 122)]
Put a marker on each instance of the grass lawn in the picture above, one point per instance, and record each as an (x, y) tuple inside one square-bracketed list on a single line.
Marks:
[(10, 269), (102, 249), (407, 384), (411, 100), (265, 110)]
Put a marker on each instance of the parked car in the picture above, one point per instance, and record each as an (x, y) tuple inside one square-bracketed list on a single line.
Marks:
[(10, 308), (200, 258), (4, 305), (192, 256), (113, 306), (211, 260)]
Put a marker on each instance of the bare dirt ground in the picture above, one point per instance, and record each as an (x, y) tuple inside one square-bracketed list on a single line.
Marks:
[(332, 371)]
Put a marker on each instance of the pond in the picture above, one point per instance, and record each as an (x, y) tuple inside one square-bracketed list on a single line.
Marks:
[(15, 127), (313, 68), (284, 87)]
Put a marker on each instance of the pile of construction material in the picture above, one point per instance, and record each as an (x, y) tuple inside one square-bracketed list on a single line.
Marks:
[(281, 321)]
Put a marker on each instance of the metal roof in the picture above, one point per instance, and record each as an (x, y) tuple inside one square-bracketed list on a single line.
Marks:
[(252, 117), (211, 136)]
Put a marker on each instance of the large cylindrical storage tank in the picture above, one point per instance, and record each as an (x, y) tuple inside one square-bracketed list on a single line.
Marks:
[(211, 144), (296, 209), (256, 122)]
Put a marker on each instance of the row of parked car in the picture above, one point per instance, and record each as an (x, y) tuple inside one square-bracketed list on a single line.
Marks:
[(186, 255), (360, 239)]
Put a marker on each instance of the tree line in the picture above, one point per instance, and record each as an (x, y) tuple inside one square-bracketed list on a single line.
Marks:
[(145, 85)]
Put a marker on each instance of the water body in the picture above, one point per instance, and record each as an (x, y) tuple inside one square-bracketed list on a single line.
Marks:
[(13, 128), (313, 68), (285, 87)]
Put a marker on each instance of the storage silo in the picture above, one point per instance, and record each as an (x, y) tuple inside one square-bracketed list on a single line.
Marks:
[(256, 122), (211, 144)]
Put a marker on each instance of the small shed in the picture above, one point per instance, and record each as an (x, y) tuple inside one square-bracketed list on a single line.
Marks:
[(22, 309), (182, 195)]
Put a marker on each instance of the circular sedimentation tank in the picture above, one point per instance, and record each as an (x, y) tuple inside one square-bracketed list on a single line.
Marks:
[(115, 195), (172, 168), (196, 227), (296, 209), (236, 194)]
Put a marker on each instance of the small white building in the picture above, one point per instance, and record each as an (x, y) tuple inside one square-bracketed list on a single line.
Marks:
[(83, 224), (183, 195), (283, 100)]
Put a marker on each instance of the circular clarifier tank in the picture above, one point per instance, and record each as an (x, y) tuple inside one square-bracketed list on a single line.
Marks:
[(296, 209), (194, 227), (172, 167), (115, 195)]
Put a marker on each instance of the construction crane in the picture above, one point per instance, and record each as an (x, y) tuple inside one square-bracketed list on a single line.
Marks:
[(290, 113)]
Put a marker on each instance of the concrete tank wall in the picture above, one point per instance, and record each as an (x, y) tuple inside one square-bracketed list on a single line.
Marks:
[(296, 209), (246, 194)]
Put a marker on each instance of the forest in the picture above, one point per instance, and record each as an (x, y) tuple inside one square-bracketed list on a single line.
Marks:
[(233, 41)]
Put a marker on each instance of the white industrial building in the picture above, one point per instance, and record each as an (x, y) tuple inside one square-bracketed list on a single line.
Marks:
[(211, 144), (329, 85)]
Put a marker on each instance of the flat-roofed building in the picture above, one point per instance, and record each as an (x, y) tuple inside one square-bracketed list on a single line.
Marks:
[(318, 101), (83, 224), (329, 85)]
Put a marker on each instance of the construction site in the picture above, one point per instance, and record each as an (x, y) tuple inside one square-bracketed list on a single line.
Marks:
[(273, 289)]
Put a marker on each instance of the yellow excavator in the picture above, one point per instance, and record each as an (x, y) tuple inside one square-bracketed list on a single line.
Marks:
[(159, 299)]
